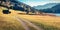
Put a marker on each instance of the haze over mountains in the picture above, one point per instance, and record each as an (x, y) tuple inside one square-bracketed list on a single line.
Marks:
[(21, 6), (56, 8), (49, 8), (17, 5), (46, 6)]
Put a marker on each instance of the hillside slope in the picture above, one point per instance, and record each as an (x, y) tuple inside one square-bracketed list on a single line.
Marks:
[(46, 6), (54, 9), (9, 22)]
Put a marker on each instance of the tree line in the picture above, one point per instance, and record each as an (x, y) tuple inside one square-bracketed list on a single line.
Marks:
[(27, 9)]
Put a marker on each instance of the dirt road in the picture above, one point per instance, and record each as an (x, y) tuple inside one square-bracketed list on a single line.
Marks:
[(25, 24)]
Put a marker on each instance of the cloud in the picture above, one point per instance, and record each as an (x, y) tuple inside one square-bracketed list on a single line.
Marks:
[(56, 0), (35, 3), (39, 2)]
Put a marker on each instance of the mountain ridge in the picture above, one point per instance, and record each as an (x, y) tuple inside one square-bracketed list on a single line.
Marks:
[(46, 6), (55, 9)]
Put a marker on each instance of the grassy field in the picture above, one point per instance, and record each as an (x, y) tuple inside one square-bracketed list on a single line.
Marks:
[(46, 22), (8, 22)]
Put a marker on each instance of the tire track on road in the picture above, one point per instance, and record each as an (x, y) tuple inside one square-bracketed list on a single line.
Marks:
[(25, 22)]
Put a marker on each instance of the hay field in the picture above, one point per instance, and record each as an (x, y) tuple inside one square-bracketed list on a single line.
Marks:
[(46, 22)]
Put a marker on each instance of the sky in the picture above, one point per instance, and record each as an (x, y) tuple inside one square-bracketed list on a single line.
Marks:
[(38, 2)]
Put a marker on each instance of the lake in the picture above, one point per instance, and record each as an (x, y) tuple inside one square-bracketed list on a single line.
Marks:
[(57, 14)]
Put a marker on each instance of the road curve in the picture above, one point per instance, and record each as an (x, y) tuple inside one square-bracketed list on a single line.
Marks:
[(25, 22)]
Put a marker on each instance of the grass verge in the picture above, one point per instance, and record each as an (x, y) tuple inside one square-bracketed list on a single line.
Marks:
[(45, 27)]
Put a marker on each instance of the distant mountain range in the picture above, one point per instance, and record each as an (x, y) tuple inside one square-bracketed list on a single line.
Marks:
[(56, 9), (46, 6), (17, 5), (52, 9)]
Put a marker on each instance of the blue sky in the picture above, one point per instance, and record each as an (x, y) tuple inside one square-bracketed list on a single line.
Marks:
[(38, 2)]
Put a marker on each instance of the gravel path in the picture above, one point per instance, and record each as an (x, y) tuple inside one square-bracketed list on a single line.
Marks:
[(25, 22)]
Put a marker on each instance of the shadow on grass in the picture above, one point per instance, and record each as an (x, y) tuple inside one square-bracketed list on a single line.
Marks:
[(32, 14), (25, 14), (9, 26), (31, 28), (45, 27), (22, 13)]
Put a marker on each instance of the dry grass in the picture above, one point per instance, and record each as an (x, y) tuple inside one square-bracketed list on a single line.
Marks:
[(48, 20), (45, 20), (8, 22)]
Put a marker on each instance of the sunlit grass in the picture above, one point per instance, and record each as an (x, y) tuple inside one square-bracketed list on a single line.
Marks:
[(46, 27), (46, 22), (8, 21), (54, 21), (49, 22)]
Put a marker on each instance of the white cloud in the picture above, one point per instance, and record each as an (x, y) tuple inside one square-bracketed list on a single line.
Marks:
[(36, 3), (56, 1), (41, 2)]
